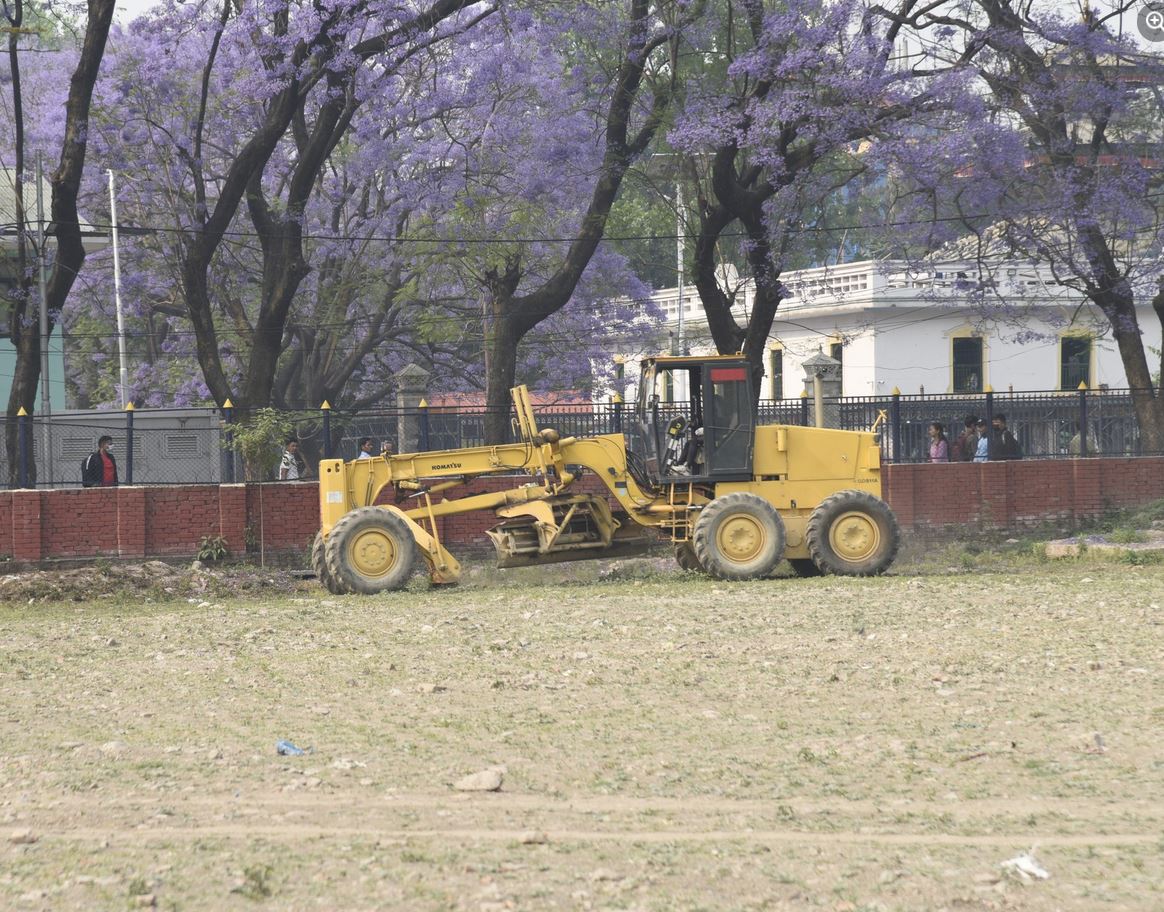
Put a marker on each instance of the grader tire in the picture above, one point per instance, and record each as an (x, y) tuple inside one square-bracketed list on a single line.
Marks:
[(804, 567), (371, 550), (853, 533), (686, 557), (739, 536), (319, 564)]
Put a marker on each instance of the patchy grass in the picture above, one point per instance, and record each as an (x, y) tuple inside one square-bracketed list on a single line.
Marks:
[(669, 742)]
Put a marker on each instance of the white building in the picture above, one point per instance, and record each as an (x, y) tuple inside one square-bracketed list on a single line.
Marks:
[(893, 328)]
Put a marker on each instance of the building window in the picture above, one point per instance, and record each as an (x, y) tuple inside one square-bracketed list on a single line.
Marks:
[(776, 364), (1074, 362), (967, 357)]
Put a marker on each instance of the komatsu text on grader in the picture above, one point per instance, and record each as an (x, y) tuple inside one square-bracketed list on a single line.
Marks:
[(732, 496)]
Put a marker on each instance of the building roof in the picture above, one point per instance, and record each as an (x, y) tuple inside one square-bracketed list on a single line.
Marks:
[(8, 221), (8, 199)]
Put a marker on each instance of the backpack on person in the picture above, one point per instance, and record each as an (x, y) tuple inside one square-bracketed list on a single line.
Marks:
[(86, 479)]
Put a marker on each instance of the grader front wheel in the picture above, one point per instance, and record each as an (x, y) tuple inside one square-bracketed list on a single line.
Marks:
[(319, 565), (853, 533), (739, 536), (371, 550)]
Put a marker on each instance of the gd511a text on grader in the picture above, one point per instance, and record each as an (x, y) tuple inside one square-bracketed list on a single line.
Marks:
[(732, 496)]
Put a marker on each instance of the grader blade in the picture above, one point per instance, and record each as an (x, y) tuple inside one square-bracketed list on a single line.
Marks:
[(627, 542), (564, 528)]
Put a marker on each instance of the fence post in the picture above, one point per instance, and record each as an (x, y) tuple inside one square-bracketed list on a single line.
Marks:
[(895, 425), (1083, 419), (228, 421), (129, 410), (326, 409), (616, 414), (804, 408), (22, 440), (422, 413), (989, 416)]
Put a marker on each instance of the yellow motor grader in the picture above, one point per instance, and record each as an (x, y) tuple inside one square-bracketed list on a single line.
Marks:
[(733, 497)]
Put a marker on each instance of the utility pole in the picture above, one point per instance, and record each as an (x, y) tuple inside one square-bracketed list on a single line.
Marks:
[(46, 405), (679, 258), (117, 293)]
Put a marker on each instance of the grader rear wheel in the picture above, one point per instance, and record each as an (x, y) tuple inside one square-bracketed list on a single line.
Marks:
[(853, 533), (739, 536), (686, 557), (371, 550), (319, 564)]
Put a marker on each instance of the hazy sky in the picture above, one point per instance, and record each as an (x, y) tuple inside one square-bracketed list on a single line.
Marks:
[(128, 9)]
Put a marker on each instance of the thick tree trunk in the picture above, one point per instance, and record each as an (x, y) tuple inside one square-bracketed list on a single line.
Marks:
[(1146, 397), (501, 379), (283, 271), (717, 306), (197, 294), (25, 379)]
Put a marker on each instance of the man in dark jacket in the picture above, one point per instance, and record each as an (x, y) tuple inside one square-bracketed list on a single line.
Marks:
[(1003, 443), (100, 468)]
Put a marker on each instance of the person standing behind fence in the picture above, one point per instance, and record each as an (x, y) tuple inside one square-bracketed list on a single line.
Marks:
[(366, 444), (939, 445), (966, 445), (1075, 445), (982, 453), (1004, 445), (99, 470), (293, 466)]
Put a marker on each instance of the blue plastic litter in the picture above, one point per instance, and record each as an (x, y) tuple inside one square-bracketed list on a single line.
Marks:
[(287, 749)]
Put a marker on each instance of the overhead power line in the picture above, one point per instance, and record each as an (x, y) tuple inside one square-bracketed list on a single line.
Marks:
[(146, 230)]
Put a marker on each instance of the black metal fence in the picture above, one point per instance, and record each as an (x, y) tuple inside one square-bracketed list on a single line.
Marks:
[(197, 446)]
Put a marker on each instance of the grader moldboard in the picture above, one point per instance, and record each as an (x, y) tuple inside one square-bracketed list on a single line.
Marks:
[(732, 496)]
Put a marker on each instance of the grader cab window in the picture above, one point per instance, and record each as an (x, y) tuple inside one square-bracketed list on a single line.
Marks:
[(730, 421), (704, 431)]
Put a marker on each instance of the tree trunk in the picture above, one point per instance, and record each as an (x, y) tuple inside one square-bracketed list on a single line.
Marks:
[(502, 378), (311, 60), (196, 290), (514, 316), (66, 182), (18, 303), (1147, 401)]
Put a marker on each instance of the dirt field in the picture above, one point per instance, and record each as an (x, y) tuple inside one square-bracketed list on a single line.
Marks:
[(668, 742)]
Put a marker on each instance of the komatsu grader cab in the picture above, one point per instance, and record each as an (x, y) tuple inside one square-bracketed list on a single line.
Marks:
[(693, 467)]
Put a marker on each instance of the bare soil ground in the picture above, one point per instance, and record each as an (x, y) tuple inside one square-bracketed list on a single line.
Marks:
[(668, 741)]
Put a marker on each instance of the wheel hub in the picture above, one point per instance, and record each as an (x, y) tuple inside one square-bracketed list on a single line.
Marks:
[(372, 553), (741, 538), (854, 536)]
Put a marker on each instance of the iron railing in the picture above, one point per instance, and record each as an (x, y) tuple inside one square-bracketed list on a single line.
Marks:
[(196, 446)]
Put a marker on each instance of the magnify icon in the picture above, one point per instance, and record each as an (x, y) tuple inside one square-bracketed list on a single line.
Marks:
[(1150, 21)]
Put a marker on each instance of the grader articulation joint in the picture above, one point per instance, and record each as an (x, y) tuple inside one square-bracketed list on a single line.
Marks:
[(734, 497)]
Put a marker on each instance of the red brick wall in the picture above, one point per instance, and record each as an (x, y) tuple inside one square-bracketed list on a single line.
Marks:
[(139, 522), (1009, 495), (285, 517)]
